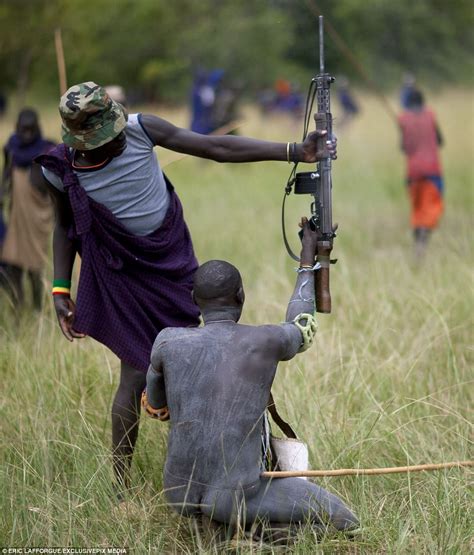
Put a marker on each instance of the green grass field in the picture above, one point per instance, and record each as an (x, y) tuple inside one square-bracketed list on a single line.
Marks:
[(389, 381)]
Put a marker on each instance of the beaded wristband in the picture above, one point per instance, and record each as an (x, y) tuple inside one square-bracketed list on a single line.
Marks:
[(307, 268)]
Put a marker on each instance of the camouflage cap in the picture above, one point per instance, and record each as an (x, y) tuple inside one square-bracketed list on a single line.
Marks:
[(90, 117)]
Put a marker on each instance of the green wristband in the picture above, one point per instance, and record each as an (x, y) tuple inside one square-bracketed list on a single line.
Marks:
[(62, 283)]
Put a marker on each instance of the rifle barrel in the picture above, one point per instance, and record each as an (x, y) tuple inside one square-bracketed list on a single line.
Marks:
[(321, 44)]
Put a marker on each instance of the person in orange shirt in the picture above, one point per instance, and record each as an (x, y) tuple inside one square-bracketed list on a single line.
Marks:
[(421, 139)]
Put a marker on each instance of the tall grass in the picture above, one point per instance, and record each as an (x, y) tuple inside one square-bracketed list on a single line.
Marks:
[(389, 381)]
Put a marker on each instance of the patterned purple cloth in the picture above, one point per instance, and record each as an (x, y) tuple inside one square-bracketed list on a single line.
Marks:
[(130, 287)]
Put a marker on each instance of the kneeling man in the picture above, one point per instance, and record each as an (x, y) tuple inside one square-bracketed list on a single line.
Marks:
[(214, 384)]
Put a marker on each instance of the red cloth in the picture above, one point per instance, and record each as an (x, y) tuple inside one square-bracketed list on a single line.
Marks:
[(420, 143), (426, 203)]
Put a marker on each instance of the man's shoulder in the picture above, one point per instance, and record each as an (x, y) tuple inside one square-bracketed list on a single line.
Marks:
[(277, 341), (173, 334), (136, 130), (133, 120), (267, 333), (10, 142)]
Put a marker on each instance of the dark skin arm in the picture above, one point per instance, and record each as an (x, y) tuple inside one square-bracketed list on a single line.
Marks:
[(6, 175), (232, 148), (439, 135), (64, 253), (309, 243), (402, 145), (156, 405)]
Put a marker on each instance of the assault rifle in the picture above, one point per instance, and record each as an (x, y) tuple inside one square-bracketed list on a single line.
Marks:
[(318, 183)]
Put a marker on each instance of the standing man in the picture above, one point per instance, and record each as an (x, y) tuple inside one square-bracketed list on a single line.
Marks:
[(30, 218), (421, 138), (214, 384), (117, 209)]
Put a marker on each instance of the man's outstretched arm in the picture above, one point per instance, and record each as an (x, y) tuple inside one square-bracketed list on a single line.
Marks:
[(300, 326), (231, 148), (303, 299)]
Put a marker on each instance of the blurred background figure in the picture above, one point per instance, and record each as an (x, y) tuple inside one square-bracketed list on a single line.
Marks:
[(3, 104), (408, 85), (421, 138), (284, 97), (288, 98), (349, 107), (226, 105), (117, 93), (30, 217), (214, 101), (203, 97)]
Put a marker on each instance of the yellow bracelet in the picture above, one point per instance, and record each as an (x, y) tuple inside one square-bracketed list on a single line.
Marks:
[(61, 291), (288, 153)]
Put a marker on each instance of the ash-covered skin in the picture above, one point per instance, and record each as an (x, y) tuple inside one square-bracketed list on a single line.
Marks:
[(216, 382)]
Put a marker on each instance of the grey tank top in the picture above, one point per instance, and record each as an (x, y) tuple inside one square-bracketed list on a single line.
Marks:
[(131, 186)]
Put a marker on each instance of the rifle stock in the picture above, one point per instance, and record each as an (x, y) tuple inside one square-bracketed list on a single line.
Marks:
[(321, 279)]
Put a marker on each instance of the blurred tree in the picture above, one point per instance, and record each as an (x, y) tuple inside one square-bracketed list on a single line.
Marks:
[(26, 28), (149, 46), (152, 46), (431, 38)]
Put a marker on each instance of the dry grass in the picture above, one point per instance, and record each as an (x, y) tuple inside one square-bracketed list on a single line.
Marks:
[(389, 381)]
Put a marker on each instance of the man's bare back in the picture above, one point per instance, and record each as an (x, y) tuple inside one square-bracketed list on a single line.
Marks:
[(216, 382)]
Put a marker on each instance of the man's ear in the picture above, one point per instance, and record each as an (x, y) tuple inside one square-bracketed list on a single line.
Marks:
[(240, 296)]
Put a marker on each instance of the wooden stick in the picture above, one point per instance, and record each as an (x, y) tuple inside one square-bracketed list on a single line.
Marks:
[(58, 43), (232, 126), (363, 471)]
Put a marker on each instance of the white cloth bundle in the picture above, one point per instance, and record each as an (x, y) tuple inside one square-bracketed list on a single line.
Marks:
[(291, 454)]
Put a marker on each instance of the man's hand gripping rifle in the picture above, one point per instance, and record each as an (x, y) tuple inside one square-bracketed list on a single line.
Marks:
[(318, 183)]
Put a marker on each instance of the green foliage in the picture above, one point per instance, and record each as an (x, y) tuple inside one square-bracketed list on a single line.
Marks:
[(152, 46), (430, 38)]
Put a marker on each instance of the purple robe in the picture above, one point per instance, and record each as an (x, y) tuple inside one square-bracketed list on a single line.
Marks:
[(130, 287)]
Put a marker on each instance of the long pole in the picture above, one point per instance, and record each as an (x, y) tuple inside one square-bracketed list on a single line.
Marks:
[(58, 43), (363, 471)]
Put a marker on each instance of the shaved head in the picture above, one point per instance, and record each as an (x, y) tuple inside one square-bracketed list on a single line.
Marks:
[(216, 279), (28, 116), (27, 126)]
